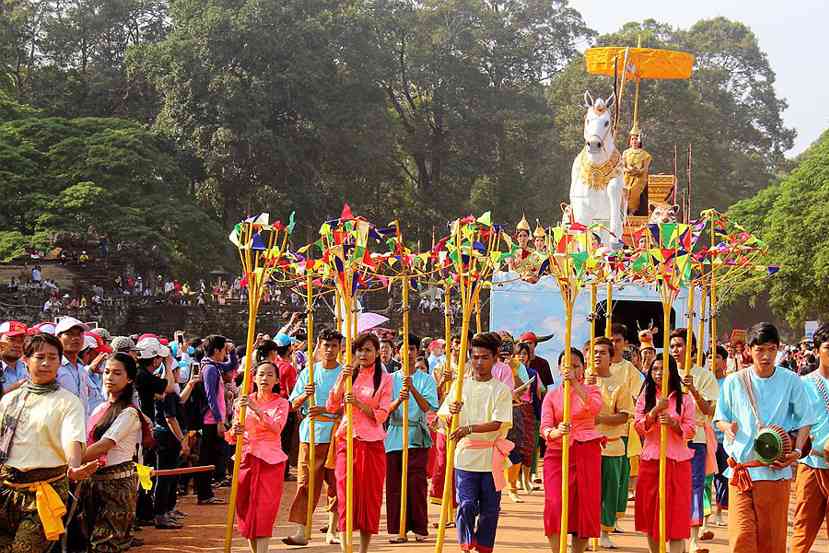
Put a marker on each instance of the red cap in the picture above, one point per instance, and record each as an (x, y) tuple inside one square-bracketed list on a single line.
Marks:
[(13, 328), (528, 337), (147, 335), (100, 344), (163, 341)]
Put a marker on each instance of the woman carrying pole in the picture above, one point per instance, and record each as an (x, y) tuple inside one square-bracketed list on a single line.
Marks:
[(585, 460), (370, 398), (262, 471), (676, 411)]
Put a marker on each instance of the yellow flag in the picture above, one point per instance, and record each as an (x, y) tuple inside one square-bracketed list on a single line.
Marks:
[(144, 476)]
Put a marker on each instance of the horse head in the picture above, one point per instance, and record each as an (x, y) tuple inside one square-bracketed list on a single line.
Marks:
[(598, 123)]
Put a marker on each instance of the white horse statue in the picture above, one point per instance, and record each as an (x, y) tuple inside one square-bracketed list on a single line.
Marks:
[(596, 185)]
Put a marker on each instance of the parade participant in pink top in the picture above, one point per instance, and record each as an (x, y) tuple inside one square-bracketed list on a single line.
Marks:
[(677, 411), (262, 471), (370, 397), (585, 466)]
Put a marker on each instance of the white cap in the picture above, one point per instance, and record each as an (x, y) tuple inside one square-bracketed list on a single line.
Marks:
[(68, 323), (89, 342), (149, 348)]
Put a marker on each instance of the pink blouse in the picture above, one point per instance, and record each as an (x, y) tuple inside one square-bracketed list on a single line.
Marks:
[(262, 435), (365, 428), (678, 449), (582, 413)]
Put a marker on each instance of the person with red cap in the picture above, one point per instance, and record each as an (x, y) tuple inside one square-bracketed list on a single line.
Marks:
[(540, 365), (12, 368)]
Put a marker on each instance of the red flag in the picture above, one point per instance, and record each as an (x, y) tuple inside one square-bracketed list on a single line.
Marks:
[(346, 214)]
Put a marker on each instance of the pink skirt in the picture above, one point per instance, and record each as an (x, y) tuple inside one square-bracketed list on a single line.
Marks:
[(257, 500), (439, 473), (678, 499), (369, 478), (585, 490)]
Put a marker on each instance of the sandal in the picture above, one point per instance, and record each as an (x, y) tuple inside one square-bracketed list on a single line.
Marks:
[(291, 541), (420, 539), (212, 501), (398, 539), (448, 525)]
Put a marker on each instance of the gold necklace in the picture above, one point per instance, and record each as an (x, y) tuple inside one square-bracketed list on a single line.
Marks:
[(597, 176)]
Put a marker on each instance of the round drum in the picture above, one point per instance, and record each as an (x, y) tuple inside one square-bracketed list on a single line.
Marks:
[(772, 443)]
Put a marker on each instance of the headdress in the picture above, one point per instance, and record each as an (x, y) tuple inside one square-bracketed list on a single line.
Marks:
[(635, 130), (523, 224), (539, 230)]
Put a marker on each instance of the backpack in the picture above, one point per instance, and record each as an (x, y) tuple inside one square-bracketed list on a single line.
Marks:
[(148, 440), (196, 407)]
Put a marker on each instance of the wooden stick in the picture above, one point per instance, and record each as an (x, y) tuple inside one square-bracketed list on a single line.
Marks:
[(569, 297), (183, 470), (312, 454), (608, 322), (667, 301), (689, 332), (713, 301), (404, 477), (349, 458), (591, 362), (703, 297)]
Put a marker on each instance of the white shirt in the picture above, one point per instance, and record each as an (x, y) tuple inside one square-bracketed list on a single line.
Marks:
[(125, 431)]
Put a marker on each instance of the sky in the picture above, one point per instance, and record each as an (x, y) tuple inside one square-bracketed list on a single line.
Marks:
[(791, 33)]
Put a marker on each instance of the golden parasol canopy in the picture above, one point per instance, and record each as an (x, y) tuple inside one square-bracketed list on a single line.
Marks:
[(642, 63)]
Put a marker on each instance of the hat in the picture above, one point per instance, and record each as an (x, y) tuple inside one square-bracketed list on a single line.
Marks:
[(635, 131), (13, 328), (528, 337), (523, 224), (96, 343), (646, 340), (46, 327), (539, 230), (103, 333), (283, 340), (149, 348), (164, 341), (66, 324), (123, 344), (435, 343)]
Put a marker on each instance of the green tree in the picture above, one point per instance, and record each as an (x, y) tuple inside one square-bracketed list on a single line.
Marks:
[(728, 111), (101, 177), (791, 217)]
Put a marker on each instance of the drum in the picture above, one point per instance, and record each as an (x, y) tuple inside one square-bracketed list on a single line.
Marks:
[(772, 443)]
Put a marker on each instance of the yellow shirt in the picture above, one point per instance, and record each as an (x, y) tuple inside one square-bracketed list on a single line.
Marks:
[(708, 388), (46, 429), (616, 399), (482, 402)]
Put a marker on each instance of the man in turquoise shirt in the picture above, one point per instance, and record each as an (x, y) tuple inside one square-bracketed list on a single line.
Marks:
[(421, 392), (812, 484), (325, 375), (758, 495)]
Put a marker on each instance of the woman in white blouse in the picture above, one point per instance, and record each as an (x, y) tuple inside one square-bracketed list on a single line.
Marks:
[(115, 431)]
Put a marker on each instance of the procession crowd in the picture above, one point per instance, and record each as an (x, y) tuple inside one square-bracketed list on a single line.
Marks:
[(100, 435)]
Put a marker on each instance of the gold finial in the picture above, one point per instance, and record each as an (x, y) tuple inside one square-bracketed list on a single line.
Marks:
[(523, 224), (539, 230)]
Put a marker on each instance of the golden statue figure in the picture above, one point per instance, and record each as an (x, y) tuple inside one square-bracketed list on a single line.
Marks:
[(636, 162), (525, 262)]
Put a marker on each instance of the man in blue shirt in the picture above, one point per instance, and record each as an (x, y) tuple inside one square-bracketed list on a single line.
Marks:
[(812, 485), (325, 376), (758, 494), (13, 371), (72, 374), (420, 387)]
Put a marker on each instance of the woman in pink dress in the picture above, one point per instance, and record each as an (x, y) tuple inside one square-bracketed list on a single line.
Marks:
[(370, 398), (262, 471), (585, 466), (677, 412)]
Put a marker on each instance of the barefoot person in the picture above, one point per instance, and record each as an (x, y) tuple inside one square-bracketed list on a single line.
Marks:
[(326, 373), (370, 398), (758, 494), (262, 471), (677, 411), (585, 466), (114, 434), (41, 448), (485, 415)]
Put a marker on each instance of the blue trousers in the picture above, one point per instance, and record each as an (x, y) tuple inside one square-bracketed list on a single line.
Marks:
[(478, 507), (698, 483)]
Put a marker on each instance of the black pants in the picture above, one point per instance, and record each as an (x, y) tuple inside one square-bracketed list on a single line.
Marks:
[(145, 509), (210, 454), (169, 450)]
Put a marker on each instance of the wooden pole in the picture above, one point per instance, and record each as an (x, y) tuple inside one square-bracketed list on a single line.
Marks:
[(608, 323), (667, 302), (713, 301), (312, 455), (591, 363), (349, 415), (447, 333), (404, 477), (703, 297), (478, 326), (689, 332), (250, 262), (569, 297)]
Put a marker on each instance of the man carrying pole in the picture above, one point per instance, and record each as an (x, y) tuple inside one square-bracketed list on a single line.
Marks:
[(326, 372), (421, 388)]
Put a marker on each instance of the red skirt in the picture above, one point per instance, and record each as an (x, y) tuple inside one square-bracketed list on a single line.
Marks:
[(258, 496), (529, 438), (439, 473), (369, 478), (678, 499), (585, 495), (430, 462)]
